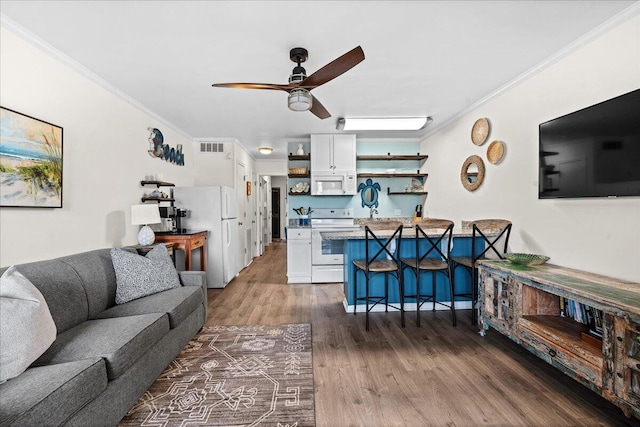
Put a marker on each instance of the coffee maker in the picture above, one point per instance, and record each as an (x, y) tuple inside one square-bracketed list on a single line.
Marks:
[(179, 214), (167, 219)]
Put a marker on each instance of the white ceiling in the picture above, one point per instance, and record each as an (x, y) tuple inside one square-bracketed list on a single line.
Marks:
[(434, 58)]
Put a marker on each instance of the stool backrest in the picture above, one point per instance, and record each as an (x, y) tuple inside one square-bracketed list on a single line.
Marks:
[(482, 227), (426, 230), (385, 246)]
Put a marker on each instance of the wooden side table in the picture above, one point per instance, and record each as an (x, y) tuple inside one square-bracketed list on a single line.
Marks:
[(143, 250), (187, 242)]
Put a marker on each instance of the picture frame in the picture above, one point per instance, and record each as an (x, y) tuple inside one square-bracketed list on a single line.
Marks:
[(31, 160)]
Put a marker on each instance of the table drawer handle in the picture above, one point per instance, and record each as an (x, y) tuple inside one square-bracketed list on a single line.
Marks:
[(552, 352)]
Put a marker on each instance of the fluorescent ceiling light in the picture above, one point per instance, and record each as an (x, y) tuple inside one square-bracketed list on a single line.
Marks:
[(265, 150), (383, 123)]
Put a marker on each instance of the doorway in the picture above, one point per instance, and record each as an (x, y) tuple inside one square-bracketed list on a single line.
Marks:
[(275, 213)]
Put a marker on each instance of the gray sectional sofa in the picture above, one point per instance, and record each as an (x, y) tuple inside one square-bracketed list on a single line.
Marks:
[(105, 356)]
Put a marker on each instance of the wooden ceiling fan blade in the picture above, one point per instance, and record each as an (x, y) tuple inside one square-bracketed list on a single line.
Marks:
[(334, 68), (318, 109), (268, 86)]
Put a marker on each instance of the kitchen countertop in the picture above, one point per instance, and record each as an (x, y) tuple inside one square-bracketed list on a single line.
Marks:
[(292, 226), (407, 221), (408, 232)]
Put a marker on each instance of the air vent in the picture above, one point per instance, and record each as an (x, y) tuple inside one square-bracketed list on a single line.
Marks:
[(212, 147)]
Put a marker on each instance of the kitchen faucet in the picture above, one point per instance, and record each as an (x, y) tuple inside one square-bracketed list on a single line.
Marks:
[(372, 211)]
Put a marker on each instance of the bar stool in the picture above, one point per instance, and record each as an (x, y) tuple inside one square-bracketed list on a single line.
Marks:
[(431, 258), (383, 261), (481, 228)]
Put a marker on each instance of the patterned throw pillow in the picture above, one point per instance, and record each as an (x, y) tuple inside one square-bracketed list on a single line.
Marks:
[(138, 276), (26, 326)]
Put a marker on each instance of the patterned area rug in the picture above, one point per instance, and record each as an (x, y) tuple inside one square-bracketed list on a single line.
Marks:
[(234, 376)]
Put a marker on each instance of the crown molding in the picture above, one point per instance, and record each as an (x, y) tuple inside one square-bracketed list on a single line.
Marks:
[(608, 25), (39, 43)]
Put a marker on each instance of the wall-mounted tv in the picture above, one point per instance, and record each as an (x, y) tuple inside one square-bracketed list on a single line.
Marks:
[(593, 152)]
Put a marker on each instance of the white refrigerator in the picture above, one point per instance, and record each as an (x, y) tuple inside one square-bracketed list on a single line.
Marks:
[(213, 208)]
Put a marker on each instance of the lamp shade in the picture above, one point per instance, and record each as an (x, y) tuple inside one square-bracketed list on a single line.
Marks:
[(145, 214), (300, 100)]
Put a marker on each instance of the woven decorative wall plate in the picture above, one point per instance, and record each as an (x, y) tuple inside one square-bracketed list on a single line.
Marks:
[(495, 152), (480, 131)]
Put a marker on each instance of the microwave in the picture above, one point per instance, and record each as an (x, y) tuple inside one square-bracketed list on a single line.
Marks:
[(333, 183)]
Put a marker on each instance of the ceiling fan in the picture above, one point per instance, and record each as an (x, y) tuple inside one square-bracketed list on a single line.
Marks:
[(299, 87)]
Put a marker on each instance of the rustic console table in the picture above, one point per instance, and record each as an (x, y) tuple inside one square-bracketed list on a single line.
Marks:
[(526, 305), (187, 241)]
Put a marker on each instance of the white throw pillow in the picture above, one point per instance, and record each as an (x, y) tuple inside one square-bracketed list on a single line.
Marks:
[(26, 327), (138, 276)]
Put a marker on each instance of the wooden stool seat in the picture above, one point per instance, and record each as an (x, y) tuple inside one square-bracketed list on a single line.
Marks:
[(426, 263), (377, 266), (466, 261)]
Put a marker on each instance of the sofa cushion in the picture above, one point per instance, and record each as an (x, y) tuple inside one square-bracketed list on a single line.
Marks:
[(61, 288), (120, 341), (51, 393), (178, 303), (26, 326), (138, 276), (95, 270)]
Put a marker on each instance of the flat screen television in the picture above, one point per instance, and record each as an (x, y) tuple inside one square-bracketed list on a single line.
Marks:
[(593, 152)]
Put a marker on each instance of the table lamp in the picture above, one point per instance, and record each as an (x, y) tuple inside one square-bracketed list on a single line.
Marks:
[(145, 215)]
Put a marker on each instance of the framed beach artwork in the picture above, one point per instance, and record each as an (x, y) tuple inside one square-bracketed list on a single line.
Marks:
[(30, 161)]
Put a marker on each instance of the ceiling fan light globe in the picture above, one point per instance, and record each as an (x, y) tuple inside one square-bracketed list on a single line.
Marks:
[(300, 100)]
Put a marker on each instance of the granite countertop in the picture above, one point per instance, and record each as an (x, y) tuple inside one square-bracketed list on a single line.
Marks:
[(297, 225), (406, 233), (407, 221)]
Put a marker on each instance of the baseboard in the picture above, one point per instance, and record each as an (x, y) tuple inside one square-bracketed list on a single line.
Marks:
[(460, 305)]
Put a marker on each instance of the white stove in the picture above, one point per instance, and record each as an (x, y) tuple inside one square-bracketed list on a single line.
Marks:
[(327, 256)]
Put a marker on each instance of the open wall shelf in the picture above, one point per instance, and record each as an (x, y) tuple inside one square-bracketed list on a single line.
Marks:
[(392, 175), (392, 157)]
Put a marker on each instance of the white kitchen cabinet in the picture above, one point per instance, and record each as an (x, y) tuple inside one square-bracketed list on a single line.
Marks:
[(333, 153), (299, 255)]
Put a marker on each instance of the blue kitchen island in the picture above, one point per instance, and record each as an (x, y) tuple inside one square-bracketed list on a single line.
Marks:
[(355, 249)]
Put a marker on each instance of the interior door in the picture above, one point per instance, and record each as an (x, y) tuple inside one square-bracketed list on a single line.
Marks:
[(263, 213), (241, 183), (275, 212), (254, 216)]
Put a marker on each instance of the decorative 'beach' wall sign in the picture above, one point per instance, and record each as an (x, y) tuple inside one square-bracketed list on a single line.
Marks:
[(158, 149)]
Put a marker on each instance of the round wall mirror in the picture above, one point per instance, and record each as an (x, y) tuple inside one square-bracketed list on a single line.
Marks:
[(369, 193), (472, 173)]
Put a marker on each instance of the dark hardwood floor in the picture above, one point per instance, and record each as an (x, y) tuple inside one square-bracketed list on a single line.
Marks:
[(435, 375)]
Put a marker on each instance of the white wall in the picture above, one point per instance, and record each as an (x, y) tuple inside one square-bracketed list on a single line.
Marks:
[(214, 168), (596, 235), (105, 157), (272, 167)]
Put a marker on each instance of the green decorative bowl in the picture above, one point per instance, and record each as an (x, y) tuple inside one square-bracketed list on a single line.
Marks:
[(526, 259)]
